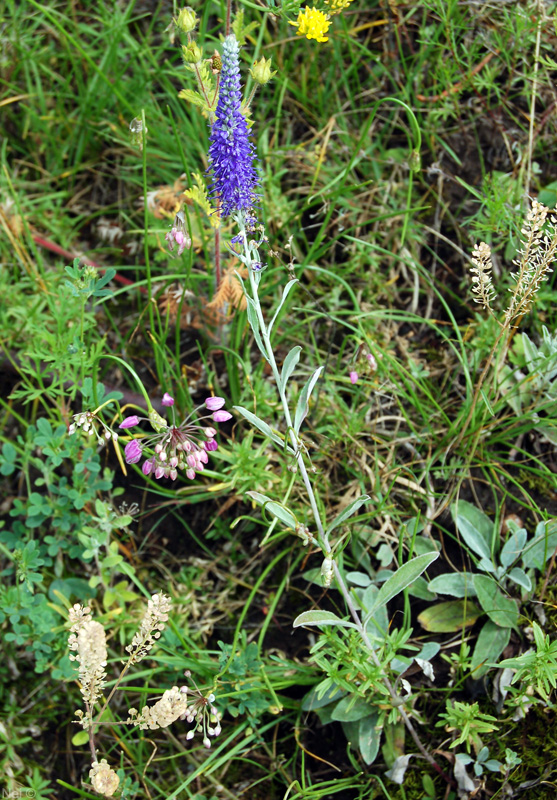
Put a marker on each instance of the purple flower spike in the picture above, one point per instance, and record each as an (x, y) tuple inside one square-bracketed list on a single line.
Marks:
[(221, 416), (231, 153), (129, 422), (133, 452), (214, 403), (167, 400)]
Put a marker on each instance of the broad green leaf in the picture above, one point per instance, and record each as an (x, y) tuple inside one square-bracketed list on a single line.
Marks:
[(285, 294), (474, 526), (403, 577), (358, 578), (351, 709), (491, 642), (347, 513), (500, 609), (521, 578), (419, 589), (312, 701), (289, 365), (369, 737), (302, 408), (455, 584), (321, 618), (429, 651), (276, 509), (377, 624), (111, 561), (80, 738), (263, 427), (513, 547), (450, 616), (538, 552)]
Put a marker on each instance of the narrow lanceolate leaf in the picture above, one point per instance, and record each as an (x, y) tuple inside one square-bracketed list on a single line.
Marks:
[(402, 578), (263, 427), (347, 513), (321, 618), (302, 409), (276, 509), (289, 366), (285, 294), (254, 324)]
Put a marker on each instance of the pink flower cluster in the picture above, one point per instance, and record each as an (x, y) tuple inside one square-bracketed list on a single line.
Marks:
[(176, 447), (178, 234)]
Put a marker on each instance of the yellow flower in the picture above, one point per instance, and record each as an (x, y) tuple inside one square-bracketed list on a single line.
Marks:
[(337, 6), (313, 24)]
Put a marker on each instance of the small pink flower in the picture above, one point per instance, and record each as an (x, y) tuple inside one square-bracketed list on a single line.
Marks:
[(353, 377), (211, 445), (148, 466), (221, 416), (133, 452), (167, 400), (178, 234), (372, 362), (214, 403), (129, 422)]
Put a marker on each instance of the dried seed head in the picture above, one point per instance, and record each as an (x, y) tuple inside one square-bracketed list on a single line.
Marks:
[(172, 705), (103, 778), (87, 643), (152, 625), (481, 278), (537, 253)]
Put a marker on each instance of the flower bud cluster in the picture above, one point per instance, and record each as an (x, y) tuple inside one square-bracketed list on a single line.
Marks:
[(186, 20), (261, 71), (176, 447), (192, 53)]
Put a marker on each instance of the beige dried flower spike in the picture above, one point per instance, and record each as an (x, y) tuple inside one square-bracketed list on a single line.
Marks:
[(172, 705), (538, 252), (481, 277), (87, 643), (152, 625)]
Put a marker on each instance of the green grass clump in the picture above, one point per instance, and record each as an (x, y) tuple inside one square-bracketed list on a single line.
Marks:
[(374, 540)]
